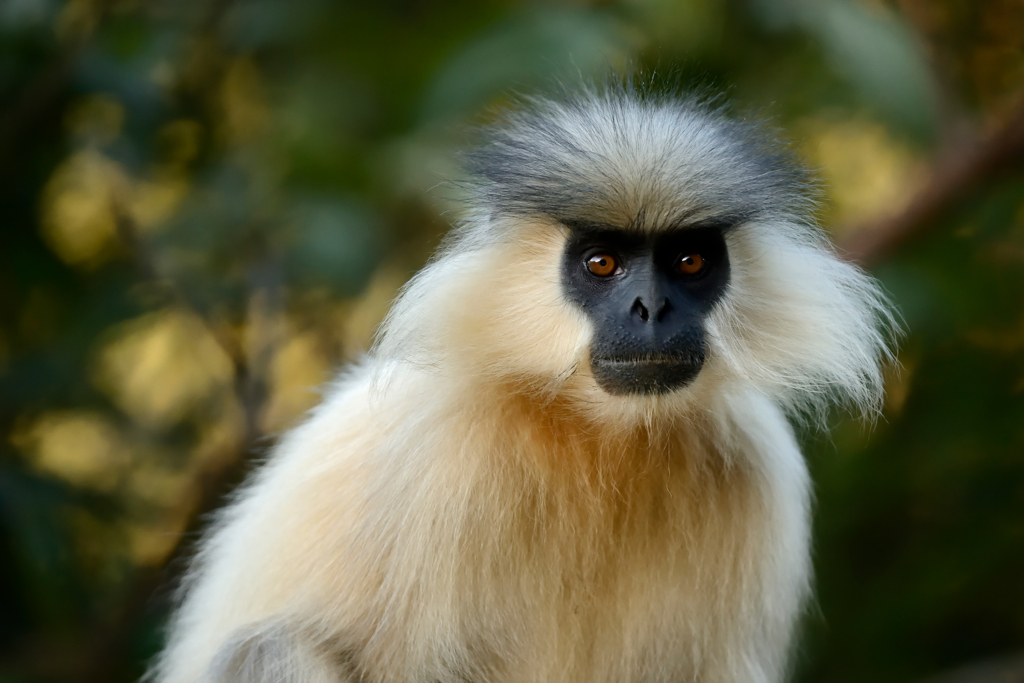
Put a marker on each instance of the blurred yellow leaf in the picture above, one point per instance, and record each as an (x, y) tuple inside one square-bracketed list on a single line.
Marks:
[(161, 366), (79, 446), (297, 371), (866, 171), (78, 211), (152, 203)]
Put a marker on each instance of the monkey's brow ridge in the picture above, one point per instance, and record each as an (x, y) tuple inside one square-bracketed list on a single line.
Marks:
[(722, 222)]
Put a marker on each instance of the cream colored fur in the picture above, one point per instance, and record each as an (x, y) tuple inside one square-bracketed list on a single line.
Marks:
[(468, 506)]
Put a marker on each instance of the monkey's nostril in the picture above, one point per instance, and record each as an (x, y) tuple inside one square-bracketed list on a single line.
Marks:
[(664, 308), (640, 309)]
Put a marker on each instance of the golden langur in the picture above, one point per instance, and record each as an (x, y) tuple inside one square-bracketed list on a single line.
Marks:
[(568, 456)]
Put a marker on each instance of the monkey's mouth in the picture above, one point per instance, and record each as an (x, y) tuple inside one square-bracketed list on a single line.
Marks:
[(653, 374)]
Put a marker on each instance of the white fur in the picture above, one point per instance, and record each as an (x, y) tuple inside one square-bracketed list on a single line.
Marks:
[(468, 505)]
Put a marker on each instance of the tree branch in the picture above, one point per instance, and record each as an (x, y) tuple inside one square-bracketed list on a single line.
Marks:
[(959, 172)]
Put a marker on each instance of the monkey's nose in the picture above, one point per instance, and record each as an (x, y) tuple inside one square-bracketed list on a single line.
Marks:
[(643, 310)]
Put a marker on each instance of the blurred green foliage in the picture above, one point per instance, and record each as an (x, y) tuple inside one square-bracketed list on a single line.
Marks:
[(206, 206)]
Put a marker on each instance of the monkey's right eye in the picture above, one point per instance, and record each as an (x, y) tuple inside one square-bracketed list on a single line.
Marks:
[(602, 265)]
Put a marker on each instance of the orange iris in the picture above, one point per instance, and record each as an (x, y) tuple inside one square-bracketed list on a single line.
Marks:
[(602, 265), (690, 264)]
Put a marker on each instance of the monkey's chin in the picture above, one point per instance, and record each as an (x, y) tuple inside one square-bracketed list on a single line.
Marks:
[(650, 375)]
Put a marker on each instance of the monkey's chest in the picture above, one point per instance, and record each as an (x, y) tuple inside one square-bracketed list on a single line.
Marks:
[(564, 590), (640, 619)]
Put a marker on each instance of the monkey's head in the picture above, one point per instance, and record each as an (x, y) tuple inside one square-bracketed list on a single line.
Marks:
[(635, 255)]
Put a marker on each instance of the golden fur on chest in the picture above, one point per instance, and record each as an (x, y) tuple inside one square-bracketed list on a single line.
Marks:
[(577, 555), (536, 549)]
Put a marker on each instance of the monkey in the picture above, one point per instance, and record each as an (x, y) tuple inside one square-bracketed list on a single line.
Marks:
[(570, 454)]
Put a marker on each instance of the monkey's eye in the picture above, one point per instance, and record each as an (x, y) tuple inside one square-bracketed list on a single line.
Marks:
[(602, 265), (690, 264)]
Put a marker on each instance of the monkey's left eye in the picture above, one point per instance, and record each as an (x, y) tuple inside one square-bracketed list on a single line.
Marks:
[(690, 264), (602, 265)]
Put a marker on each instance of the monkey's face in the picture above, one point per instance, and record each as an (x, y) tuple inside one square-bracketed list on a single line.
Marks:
[(646, 295)]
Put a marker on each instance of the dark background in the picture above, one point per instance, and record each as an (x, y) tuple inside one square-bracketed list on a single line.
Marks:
[(205, 208)]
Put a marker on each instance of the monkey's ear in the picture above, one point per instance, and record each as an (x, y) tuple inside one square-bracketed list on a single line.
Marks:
[(269, 655)]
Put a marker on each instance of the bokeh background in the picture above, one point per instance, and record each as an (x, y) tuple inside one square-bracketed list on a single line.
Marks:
[(206, 207)]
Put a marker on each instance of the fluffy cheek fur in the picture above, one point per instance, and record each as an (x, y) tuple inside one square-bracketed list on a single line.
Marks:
[(516, 320), (798, 324)]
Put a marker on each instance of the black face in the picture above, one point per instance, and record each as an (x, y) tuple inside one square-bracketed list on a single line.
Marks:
[(647, 296)]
